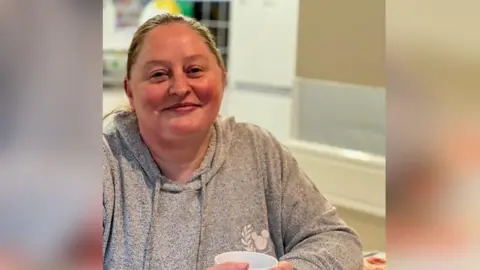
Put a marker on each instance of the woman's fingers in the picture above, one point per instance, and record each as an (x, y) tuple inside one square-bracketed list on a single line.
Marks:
[(284, 266)]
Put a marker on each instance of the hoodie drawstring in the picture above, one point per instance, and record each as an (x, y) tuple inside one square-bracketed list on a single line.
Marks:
[(203, 195)]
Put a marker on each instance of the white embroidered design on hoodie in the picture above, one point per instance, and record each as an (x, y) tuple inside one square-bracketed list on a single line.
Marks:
[(254, 242)]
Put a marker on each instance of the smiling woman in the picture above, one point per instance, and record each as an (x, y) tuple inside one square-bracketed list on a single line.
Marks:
[(182, 184), (167, 76)]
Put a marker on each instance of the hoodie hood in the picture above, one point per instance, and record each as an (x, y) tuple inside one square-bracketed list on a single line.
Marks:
[(126, 124)]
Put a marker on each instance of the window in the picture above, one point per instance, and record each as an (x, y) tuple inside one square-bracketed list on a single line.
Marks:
[(216, 16)]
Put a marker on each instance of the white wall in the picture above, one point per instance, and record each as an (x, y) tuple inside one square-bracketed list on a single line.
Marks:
[(268, 110), (112, 39), (262, 59), (263, 41)]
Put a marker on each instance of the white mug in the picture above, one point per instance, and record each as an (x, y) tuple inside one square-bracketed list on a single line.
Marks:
[(255, 260)]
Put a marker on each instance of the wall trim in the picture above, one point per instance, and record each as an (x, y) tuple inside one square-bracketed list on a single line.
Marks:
[(299, 79), (262, 88)]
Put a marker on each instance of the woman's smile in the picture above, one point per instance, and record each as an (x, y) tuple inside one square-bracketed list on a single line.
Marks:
[(183, 107)]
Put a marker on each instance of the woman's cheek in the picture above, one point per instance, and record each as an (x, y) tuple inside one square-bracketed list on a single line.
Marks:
[(154, 95), (209, 93)]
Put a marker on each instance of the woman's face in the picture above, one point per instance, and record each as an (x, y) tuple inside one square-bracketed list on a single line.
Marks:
[(176, 85)]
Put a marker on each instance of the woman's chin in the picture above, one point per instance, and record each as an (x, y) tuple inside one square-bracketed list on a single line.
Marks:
[(183, 129), (178, 127)]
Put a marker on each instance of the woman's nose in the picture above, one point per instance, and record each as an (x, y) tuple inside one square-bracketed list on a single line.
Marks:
[(179, 86)]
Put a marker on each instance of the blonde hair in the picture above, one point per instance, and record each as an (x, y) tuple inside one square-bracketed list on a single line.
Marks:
[(164, 19)]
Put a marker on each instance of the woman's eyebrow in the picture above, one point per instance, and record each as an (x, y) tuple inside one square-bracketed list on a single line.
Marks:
[(156, 62), (195, 57)]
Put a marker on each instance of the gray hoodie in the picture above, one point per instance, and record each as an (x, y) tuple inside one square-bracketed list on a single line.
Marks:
[(249, 194)]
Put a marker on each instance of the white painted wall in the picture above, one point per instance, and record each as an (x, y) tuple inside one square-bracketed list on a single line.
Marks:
[(112, 99), (263, 43), (270, 111), (112, 39)]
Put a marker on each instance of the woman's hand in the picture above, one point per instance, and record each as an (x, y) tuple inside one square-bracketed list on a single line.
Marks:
[(284, 266), (230, 266)]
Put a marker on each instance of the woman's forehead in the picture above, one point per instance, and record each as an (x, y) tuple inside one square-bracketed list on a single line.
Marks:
[(177, 36)]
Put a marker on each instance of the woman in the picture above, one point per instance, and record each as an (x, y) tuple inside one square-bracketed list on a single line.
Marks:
[(182, 185)]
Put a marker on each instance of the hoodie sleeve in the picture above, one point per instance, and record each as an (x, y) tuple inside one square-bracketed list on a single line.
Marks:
[(314, 235)]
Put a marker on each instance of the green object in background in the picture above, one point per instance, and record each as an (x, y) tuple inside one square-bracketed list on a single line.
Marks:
[(115, 64), (186, 7)]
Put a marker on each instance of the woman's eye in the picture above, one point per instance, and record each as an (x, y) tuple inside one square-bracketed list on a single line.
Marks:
[(158, 74), (196, 71)]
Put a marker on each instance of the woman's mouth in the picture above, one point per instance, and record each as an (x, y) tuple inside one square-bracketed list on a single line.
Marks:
[(184, 107)]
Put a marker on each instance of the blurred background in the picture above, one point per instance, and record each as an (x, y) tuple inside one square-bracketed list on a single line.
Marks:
[(433, 171), (310, 72)]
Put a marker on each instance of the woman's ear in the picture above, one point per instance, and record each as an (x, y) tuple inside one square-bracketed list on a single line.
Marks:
[(128, 91)]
